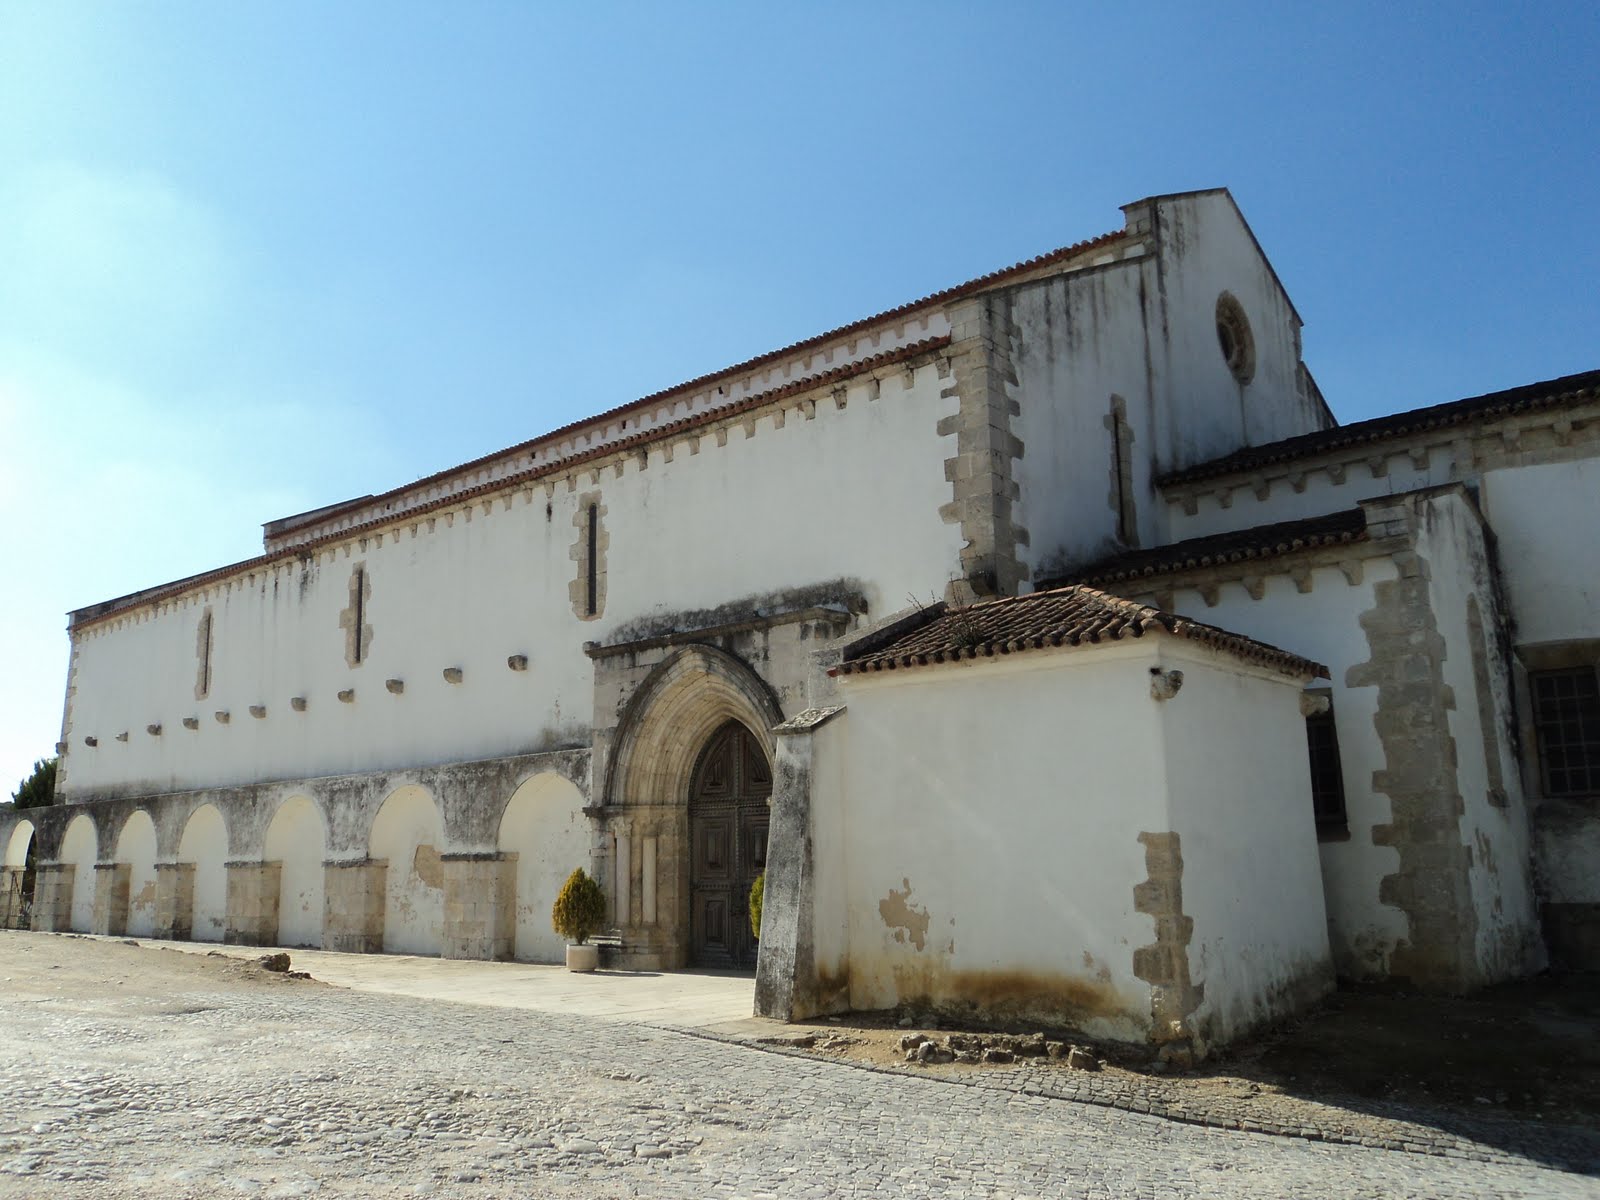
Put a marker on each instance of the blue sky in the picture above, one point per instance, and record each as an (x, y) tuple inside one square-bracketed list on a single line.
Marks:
[(255, 259)]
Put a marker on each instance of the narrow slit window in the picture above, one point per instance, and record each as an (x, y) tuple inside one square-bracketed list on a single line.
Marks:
[(358, 602), (591, 603), (202, 684), (1327, 776)]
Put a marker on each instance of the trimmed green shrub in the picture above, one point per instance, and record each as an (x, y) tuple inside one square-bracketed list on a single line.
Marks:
[(757, 892), (580, 910)]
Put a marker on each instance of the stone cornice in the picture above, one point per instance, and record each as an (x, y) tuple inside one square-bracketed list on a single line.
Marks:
[(1489, 443)]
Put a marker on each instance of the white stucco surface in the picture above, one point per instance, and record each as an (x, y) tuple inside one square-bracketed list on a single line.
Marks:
[(501, 571), (1553, 581), (296, 838), (205, 844), (1239, 788), (136, 846), (544, 826), (1042, 771), (78, 848), (409, 835), (1324, 625), (1500, 869)]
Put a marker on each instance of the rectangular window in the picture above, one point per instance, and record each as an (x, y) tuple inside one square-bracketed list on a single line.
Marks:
[(1566, 721), (1327, 778)]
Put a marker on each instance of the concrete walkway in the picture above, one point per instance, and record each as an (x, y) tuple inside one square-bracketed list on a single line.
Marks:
[(715, 1001)]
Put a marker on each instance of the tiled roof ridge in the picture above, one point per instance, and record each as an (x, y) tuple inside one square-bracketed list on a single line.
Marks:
[(1216, 549), (1074, 615), (977, 284), (1548, 393), (558, 466)]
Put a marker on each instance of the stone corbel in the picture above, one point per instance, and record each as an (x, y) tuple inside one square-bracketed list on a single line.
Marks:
[(1164, 685), (1314, 704)]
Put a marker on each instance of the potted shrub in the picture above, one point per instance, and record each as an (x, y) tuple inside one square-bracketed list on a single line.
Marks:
[(578, 914), (758, 891)]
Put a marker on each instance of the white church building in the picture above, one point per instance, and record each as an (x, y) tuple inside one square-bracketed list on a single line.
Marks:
[(1045, 642)]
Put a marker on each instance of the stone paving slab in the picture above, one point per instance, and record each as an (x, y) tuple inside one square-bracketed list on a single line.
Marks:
[(716, 1005), (127, 1078), (683, 999)]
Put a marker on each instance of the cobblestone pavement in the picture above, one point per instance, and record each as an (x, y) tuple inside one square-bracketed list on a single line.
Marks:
[(205, 1085)]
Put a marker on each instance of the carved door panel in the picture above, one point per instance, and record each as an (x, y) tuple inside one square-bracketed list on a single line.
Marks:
[(728, 836)]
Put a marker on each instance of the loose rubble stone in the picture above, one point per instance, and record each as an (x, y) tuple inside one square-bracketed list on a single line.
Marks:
[(994, 1054), (1080, 1059), (274, 962), (911, 1041)]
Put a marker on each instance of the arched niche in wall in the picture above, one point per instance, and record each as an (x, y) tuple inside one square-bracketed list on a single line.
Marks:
[(693, 693), (297, 839), (136, 846), (543, 825), (408, 834), (205, 845), (79, 848)]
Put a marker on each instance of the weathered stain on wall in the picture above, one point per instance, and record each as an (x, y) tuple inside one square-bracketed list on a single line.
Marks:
[(905, 921)]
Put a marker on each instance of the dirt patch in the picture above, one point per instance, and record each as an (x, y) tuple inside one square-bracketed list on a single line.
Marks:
[(1527, 1050), (158, 972)]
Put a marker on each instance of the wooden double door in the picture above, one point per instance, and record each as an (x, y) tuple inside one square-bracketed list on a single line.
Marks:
[(728, 820)]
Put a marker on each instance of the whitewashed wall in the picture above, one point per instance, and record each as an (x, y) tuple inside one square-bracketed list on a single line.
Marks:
[(1145, 330), (1500, 869), (986, 801), (297, 839), (78, 848), (136, 846), (1545, 518), (408, 834), (1324, 625), (990, 816), (204, 844), (1239, 795), (544, 826), (467, 589), (1203, 412)]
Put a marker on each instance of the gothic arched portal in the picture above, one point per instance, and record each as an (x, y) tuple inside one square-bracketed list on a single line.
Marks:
[(728, 820)]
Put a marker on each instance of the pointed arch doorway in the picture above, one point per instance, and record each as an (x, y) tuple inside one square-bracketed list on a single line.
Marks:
[(728, 820)]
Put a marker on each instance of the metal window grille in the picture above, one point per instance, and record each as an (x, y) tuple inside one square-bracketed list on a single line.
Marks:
[(1327, 778), (1566, 719)]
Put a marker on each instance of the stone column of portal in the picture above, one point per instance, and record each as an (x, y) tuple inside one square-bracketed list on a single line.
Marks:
[(175, 901), (252, 911), (111, 882), (353, 905), (479, 905)]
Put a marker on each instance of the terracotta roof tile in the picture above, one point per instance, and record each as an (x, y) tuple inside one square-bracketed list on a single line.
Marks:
[(1069, 616), (1240, 545), (1550, 393)]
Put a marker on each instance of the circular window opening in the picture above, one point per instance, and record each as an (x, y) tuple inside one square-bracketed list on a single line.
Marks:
[(1234, 337)]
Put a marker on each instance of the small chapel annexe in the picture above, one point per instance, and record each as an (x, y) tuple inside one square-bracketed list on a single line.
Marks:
[(1103, 678)]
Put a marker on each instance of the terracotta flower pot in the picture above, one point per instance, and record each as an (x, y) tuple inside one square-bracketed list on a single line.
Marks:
[(583, 958)]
